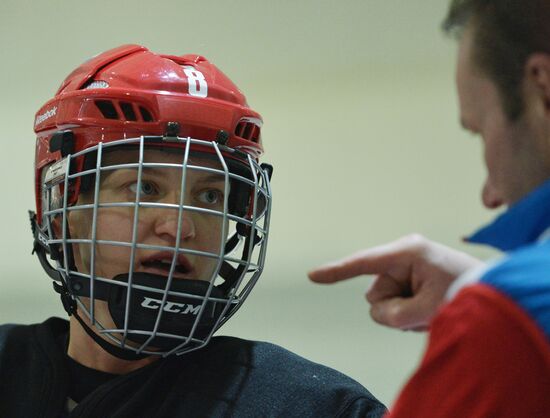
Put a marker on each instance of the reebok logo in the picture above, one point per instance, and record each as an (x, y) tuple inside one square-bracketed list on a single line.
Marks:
[(172, 307), (45, 116)]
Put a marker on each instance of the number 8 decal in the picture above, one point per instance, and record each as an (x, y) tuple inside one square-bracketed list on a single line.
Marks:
[(196, 80)]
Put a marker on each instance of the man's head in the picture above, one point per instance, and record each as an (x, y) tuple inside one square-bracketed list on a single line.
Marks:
[(151, 203), (503, 81)]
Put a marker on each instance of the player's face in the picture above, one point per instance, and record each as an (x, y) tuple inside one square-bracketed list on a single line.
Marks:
[(510, 149), (155, 226)]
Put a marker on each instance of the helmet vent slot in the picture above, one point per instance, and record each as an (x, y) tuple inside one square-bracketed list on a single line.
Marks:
[(239, 130), (128, 111), (145, 114), (125, 111), (248, 130), (107, 109)]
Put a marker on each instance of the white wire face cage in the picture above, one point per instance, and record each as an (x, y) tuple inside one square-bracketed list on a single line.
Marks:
[(165, 241)]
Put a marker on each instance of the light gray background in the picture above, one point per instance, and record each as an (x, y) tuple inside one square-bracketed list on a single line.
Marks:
[(360, 124)]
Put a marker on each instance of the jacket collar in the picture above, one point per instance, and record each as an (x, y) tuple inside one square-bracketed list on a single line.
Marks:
[(523, 223)]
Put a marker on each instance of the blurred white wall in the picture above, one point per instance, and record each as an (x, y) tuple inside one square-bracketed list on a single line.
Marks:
[(360, 124)]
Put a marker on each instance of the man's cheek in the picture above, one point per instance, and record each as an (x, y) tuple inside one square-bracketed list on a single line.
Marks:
[(114, 226), (112, 260)]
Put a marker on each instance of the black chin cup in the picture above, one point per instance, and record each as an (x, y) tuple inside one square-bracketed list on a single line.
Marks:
[(179, 313)]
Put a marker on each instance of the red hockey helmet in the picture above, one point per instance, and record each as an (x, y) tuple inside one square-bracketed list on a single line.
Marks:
[(130, 102), (130, 91)]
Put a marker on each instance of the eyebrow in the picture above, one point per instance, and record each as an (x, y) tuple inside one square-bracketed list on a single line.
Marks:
[(213, 178), (210, 178)]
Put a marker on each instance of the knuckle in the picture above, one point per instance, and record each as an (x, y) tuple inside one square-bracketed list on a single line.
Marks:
[(416, 243), (370, 296), (393, 320), (375, 292), (416, 239), (386, 314), (375, 314), (395, 316)]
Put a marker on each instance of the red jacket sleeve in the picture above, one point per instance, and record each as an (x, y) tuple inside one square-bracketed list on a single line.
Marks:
[(485, 358)]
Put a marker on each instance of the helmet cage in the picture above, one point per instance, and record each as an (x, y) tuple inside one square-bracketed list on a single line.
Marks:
[(245, 230)]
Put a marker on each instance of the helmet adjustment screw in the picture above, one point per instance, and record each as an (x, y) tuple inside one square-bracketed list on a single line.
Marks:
[(172, 129), (76, 287), (222, 137)]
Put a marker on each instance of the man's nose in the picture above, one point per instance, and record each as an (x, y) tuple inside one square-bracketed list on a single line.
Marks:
[(167, 225)]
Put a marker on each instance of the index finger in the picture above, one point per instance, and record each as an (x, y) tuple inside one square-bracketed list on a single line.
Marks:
[(393, 259)]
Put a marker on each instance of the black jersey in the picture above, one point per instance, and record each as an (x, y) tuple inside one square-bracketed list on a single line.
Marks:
[(230, 377)]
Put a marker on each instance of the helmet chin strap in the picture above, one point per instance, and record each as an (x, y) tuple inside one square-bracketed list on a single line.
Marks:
[(113, 350), (41, 248), (71, 308)]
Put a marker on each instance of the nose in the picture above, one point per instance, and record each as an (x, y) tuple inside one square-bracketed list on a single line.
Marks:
[(166, 226)]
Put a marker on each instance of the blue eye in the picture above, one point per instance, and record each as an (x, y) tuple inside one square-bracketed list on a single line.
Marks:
[(211, 197), (147, 188)]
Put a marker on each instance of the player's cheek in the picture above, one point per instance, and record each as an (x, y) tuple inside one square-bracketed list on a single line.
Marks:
[(114, 224)]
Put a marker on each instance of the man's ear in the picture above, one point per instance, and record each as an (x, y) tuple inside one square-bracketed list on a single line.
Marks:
[(537, 74)]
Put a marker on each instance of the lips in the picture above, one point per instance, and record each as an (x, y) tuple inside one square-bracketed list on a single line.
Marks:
[(161, 262)]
